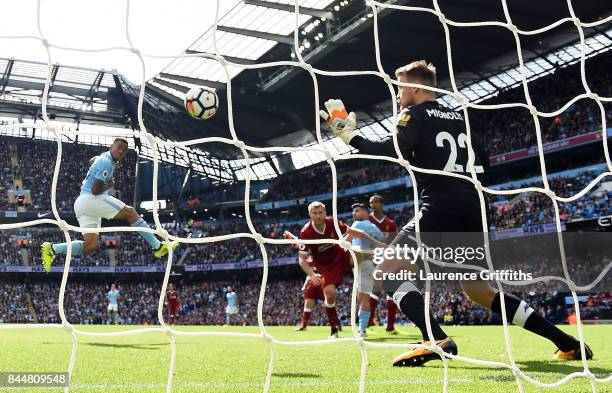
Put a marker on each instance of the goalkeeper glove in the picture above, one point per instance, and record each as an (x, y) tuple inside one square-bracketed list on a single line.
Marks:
[(342, 123)]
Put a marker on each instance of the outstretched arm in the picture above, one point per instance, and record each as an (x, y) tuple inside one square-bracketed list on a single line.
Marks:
[(289, 235), (344, 127), (359, 234)]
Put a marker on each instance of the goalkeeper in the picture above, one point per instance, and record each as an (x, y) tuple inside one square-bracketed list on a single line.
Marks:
[(95, 203), (433, 137)]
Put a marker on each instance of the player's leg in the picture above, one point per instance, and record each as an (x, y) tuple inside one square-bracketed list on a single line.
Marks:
[(391, 315), (521, 314), (78, 247), (109, 313), (364, 313), (329, 291), (129, 214), (410, 300), (365, 287), (373, 308), (308, 306)]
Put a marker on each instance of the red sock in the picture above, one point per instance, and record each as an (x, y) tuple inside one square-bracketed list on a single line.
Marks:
[(332, 315), (373, 305), (305, 318), (391, 312)]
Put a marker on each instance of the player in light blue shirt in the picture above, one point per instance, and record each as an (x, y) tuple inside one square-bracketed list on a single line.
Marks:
[(232, 306), (364, 246), (113, 306), (95, 203)]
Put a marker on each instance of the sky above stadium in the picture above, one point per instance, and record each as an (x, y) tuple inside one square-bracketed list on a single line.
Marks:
[(158, 27)]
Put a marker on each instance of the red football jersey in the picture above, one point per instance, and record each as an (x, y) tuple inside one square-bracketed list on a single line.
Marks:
[(386, 225), (172, 296), (324, 253)]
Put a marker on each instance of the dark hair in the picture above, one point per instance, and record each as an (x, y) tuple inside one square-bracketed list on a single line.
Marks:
[(359, 204), (377, 196), (119, 139)]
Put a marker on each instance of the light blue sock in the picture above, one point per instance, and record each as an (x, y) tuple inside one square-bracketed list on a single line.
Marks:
[(149, 237), (62, 248), (227, 319), (364, 317)]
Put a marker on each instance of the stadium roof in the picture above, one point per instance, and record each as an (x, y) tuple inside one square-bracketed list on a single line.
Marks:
[(75, 94), (274, 106)]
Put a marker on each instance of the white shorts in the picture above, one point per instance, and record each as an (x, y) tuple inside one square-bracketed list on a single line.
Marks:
[(366, 277), (91, 209), (231, 310), (112, 307)]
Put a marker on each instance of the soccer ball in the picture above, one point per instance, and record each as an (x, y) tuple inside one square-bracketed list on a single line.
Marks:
[(201, 102)]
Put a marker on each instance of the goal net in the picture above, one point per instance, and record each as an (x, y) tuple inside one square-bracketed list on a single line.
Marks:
[(247, 152)]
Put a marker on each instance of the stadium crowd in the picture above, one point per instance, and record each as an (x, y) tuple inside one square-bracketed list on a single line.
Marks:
[(522, 210), (536, 208), (203, 303), (510, 129), (36, 164)]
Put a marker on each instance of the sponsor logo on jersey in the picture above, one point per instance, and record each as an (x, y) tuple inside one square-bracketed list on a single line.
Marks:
[(403, 120)]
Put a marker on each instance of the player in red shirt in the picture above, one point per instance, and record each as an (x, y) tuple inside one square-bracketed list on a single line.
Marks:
[(389, 228), (310, 291), (330, 260), (172, 301)]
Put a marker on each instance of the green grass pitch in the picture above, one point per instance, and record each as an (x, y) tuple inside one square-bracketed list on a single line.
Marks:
[(139, 363)]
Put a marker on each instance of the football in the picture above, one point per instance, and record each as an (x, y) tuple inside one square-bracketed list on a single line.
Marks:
[(201, 102)]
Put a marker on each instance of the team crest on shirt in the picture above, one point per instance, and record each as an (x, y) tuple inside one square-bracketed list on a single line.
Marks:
[(403, 120)]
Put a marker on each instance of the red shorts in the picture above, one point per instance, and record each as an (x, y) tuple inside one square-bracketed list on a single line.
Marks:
[(312, 291), (332, 273), (173, 308)]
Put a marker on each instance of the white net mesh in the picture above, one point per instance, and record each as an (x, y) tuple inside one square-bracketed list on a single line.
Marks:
[(155, 142)]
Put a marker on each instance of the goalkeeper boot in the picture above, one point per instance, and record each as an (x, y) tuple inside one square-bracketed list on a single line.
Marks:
[(573, 354), (419, 356), (163, 248), (48, 255)]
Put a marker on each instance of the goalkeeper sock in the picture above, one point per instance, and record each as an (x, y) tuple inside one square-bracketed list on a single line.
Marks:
[(391, 314), (364, 317), (521, 314), (411, 302), (373, 305), (149, 237), (62, 248), (332, 315)]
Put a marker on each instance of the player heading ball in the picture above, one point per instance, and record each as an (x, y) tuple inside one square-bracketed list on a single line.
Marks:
[(95, 203)]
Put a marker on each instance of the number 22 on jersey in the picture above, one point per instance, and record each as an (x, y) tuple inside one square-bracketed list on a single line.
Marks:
[(451, 164)]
